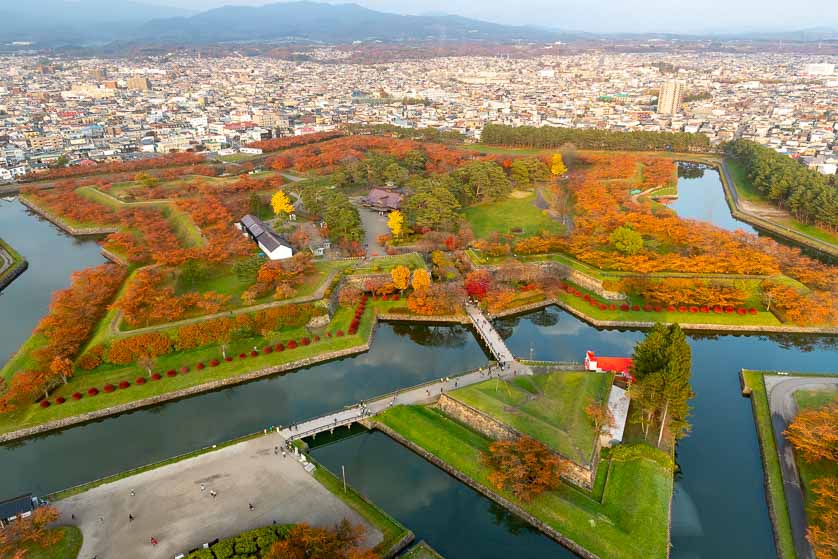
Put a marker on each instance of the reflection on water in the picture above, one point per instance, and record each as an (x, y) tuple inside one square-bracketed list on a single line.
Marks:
[(701, 196)]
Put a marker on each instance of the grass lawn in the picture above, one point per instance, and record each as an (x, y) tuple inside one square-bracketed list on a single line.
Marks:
[(113, 374), (809, 472), (391, 530), (382, 264), (504, 215), (67, 548), (748, 192), (771, 462), (630, 522), (548, 407), (421, 551)]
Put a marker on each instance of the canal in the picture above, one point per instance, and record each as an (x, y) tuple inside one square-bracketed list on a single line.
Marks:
[(719, 507)]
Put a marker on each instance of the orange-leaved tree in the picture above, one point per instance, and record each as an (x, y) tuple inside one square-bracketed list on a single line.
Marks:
[(18, 536), (814, 433), (401, 277), (523, 466), (823, 530), (304, 541)]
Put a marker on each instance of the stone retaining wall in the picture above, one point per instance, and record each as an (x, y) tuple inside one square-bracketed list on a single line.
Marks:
[(488, 493), (492, 428), (12, 273), (190, 391), (398, 317)]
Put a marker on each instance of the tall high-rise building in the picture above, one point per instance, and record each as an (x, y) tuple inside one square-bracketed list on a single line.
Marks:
[(669, 98), (139, 83)]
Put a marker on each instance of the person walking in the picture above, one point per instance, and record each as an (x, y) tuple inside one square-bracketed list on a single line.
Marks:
[(283, 453), (130, 517), (132, 493), (250, 505), (276, 450), (203, 488), (153, 540), (213, 493)]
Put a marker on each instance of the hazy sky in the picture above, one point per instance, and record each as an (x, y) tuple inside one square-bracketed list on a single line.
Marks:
[(683, 16)]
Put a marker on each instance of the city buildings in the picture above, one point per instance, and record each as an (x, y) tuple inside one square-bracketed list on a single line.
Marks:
[(670, 96)]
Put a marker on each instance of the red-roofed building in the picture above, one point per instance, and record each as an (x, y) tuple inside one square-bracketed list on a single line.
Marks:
[(619, 365)]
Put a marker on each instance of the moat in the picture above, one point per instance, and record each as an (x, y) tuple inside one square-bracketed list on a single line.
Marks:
[(719, 507)]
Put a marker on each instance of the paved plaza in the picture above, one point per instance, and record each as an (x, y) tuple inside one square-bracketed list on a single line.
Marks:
[(168, 503)]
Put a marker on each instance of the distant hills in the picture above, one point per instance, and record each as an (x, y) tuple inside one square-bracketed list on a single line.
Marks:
[(99, 22)]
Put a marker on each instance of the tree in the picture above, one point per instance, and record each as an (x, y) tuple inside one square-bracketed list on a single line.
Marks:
[(626, 240), (147, 362), (395, 221), (16, 538), (600, 416), (557, 166), (823, 529), (281, 204), (305, 542), (401, 277), (662, 367), (421, 279), (523, 466), (814, 433), (61, 366)]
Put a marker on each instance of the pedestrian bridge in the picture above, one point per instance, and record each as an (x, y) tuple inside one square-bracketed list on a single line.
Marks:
[(489, 335)]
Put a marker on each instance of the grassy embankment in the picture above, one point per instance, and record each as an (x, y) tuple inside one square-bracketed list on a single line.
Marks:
[(34, 415), (421, 551), (630, 521), (771, 463), (550, 408), (15, 256), (749, 193)]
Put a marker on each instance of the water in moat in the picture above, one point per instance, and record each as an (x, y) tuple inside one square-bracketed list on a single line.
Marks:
[(719, 507), (701, 196)]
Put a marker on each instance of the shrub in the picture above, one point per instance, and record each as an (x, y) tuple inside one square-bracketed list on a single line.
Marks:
[(670, 308), (214, 363), (292, 344), (339, 333), (228, 359), (76, 396), (156, 376), (60, 400), (647, 308), (44, 403), (705, 309), (728, 310), (199, 366), (242, 355), (184, 369), (305, 341), (328, 334), (267, 350), (624, 307), (741, 310), (752, 310), (635, 307), (109, 388), (139, 380), (602, 306), (92, 391), (124, 384), (254, 353), (612, 307), (682, 308), (171, 373), (693, 309), (587, 298), (316, 339), (279, 347), (658, 308), (717, 309)]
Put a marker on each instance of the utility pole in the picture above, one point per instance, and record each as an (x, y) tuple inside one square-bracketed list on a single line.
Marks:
[(343, 475)]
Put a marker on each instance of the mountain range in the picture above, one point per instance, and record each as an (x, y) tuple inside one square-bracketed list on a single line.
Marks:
[(91, 22)]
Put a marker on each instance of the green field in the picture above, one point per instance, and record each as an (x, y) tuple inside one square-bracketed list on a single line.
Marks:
[(631, 521), (67, 548), (771, 462), (384, 264), (548, 407), (504, 215), (113, 374)]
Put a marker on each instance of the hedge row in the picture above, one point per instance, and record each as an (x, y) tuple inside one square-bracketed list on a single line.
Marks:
[(247, 545)]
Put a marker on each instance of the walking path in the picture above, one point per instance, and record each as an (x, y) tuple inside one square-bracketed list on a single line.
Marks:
[(420, 394), (174, 503), (783, 409), (489, 335), (114, 330), (6, 261)]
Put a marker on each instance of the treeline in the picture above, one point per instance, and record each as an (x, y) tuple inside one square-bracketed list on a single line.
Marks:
[(810, 196), (553, 137), (276, 144), (158, 162), (419, 134)]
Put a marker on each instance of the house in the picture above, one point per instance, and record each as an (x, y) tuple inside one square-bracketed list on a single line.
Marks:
[(11, 509), (619, 365), (384, 200), (273, 245)]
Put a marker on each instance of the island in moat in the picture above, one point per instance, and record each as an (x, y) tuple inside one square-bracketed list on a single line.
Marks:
[(223, 273)]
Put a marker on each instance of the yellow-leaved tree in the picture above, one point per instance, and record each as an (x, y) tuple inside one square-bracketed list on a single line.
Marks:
[(281, 204), (557, 166), (396, 223), (421, 279), (401, 277)]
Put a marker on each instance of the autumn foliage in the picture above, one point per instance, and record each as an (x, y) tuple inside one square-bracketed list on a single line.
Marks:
[(34, 530), (523, 466), (823, 530), (814, 433), (304, 542)]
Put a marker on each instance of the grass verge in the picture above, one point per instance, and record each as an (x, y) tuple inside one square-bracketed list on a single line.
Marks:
[(771, 463), (631, 521)]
